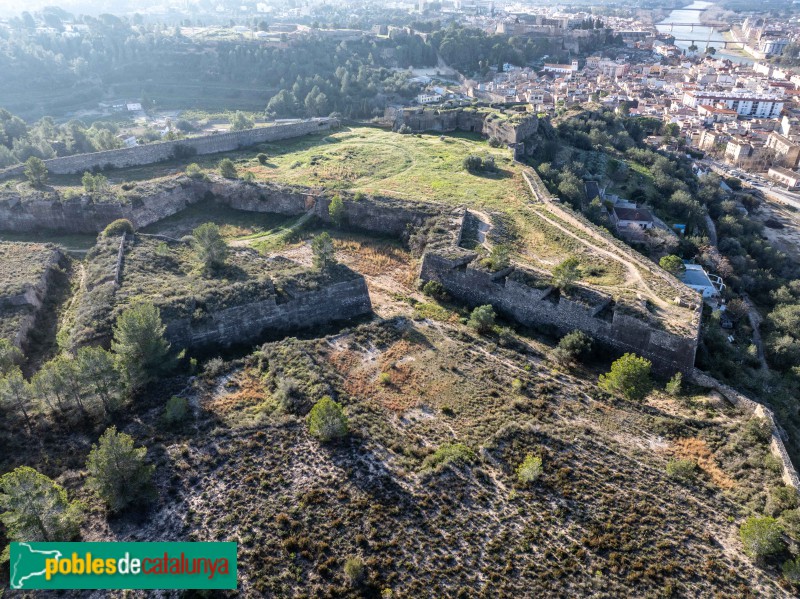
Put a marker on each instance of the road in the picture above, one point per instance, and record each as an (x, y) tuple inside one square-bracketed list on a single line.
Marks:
[(775, 193)]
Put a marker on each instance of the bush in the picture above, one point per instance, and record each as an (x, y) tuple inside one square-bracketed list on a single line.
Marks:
[(384, 378), (336, 211), (10, 356), (118, 227), (673, 386), (495, 143), (672, 264), (498, 259), (482, 319), (566, 273), (36, 171), (209, 246), (791, 571), (194, 171), (289, 395), (757, 431), (35, 508), (327, 420), (262, 158), (450, 453), (571, 346), (322, 250), (176, 410), (761, 537), (530, 469), (354, 570), (213, 368), (780, 499), (228, 169), (118, 472), (434, 289), (684, 470), (359, 197), (629, 376)]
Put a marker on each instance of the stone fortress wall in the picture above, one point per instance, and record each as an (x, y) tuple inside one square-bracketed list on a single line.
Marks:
[(32, 298), (527, 298), (168, 150), (509, 128)]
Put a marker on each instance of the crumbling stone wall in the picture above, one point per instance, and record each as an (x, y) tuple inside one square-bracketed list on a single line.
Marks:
[(512, 128), (512, 293), (248, 322), (33, 298), (167, 150)]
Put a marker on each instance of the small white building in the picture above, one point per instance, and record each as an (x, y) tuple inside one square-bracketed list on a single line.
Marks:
[(429, 98), (638, 219)]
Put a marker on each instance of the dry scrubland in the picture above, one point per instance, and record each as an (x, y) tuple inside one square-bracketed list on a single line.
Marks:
[(604, 518)]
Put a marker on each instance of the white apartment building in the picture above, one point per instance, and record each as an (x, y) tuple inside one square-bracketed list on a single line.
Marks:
[(745, 104)]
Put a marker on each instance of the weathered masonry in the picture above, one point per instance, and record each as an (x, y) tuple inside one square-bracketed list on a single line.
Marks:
[(168, 150), (527, 297)]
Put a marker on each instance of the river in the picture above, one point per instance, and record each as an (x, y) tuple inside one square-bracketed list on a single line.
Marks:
[(702, 35)]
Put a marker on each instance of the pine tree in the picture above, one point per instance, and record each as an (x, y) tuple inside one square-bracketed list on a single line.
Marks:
[(118, 472)]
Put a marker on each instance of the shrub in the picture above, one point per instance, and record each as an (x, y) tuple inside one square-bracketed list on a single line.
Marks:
[(757, 431), (118, 227), (780, 499), (262, 158), (327, 420), (176, 410), (450, 453), (482, 319), (227, 168), (530, 469), (473, 163), (336, 210), (289, 395), (35, 508), (194, 171), (790, 523), (384, 378), (517, 386), (684, 470), (791, 571), (10, 356), (498, 259), (570, 347), (673, 386), (629, 376), (354, 570), (118, 472), (761, 536), (495, 143), (566, 273), (36, 171), (434, 289), (209, 246), (672, 264), (322, 250), (359, 197), (213, 368)]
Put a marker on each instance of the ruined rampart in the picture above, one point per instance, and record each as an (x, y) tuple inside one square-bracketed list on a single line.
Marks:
[(526, 297), (168, 150), (249, 322), (509, 128)]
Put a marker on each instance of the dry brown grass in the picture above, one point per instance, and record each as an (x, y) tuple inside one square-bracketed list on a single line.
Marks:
[(373, 258), (696, 449)]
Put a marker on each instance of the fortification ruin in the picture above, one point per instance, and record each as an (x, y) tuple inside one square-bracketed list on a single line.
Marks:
[(27, 271), (251, 297), (508, 127), (169, 150)]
